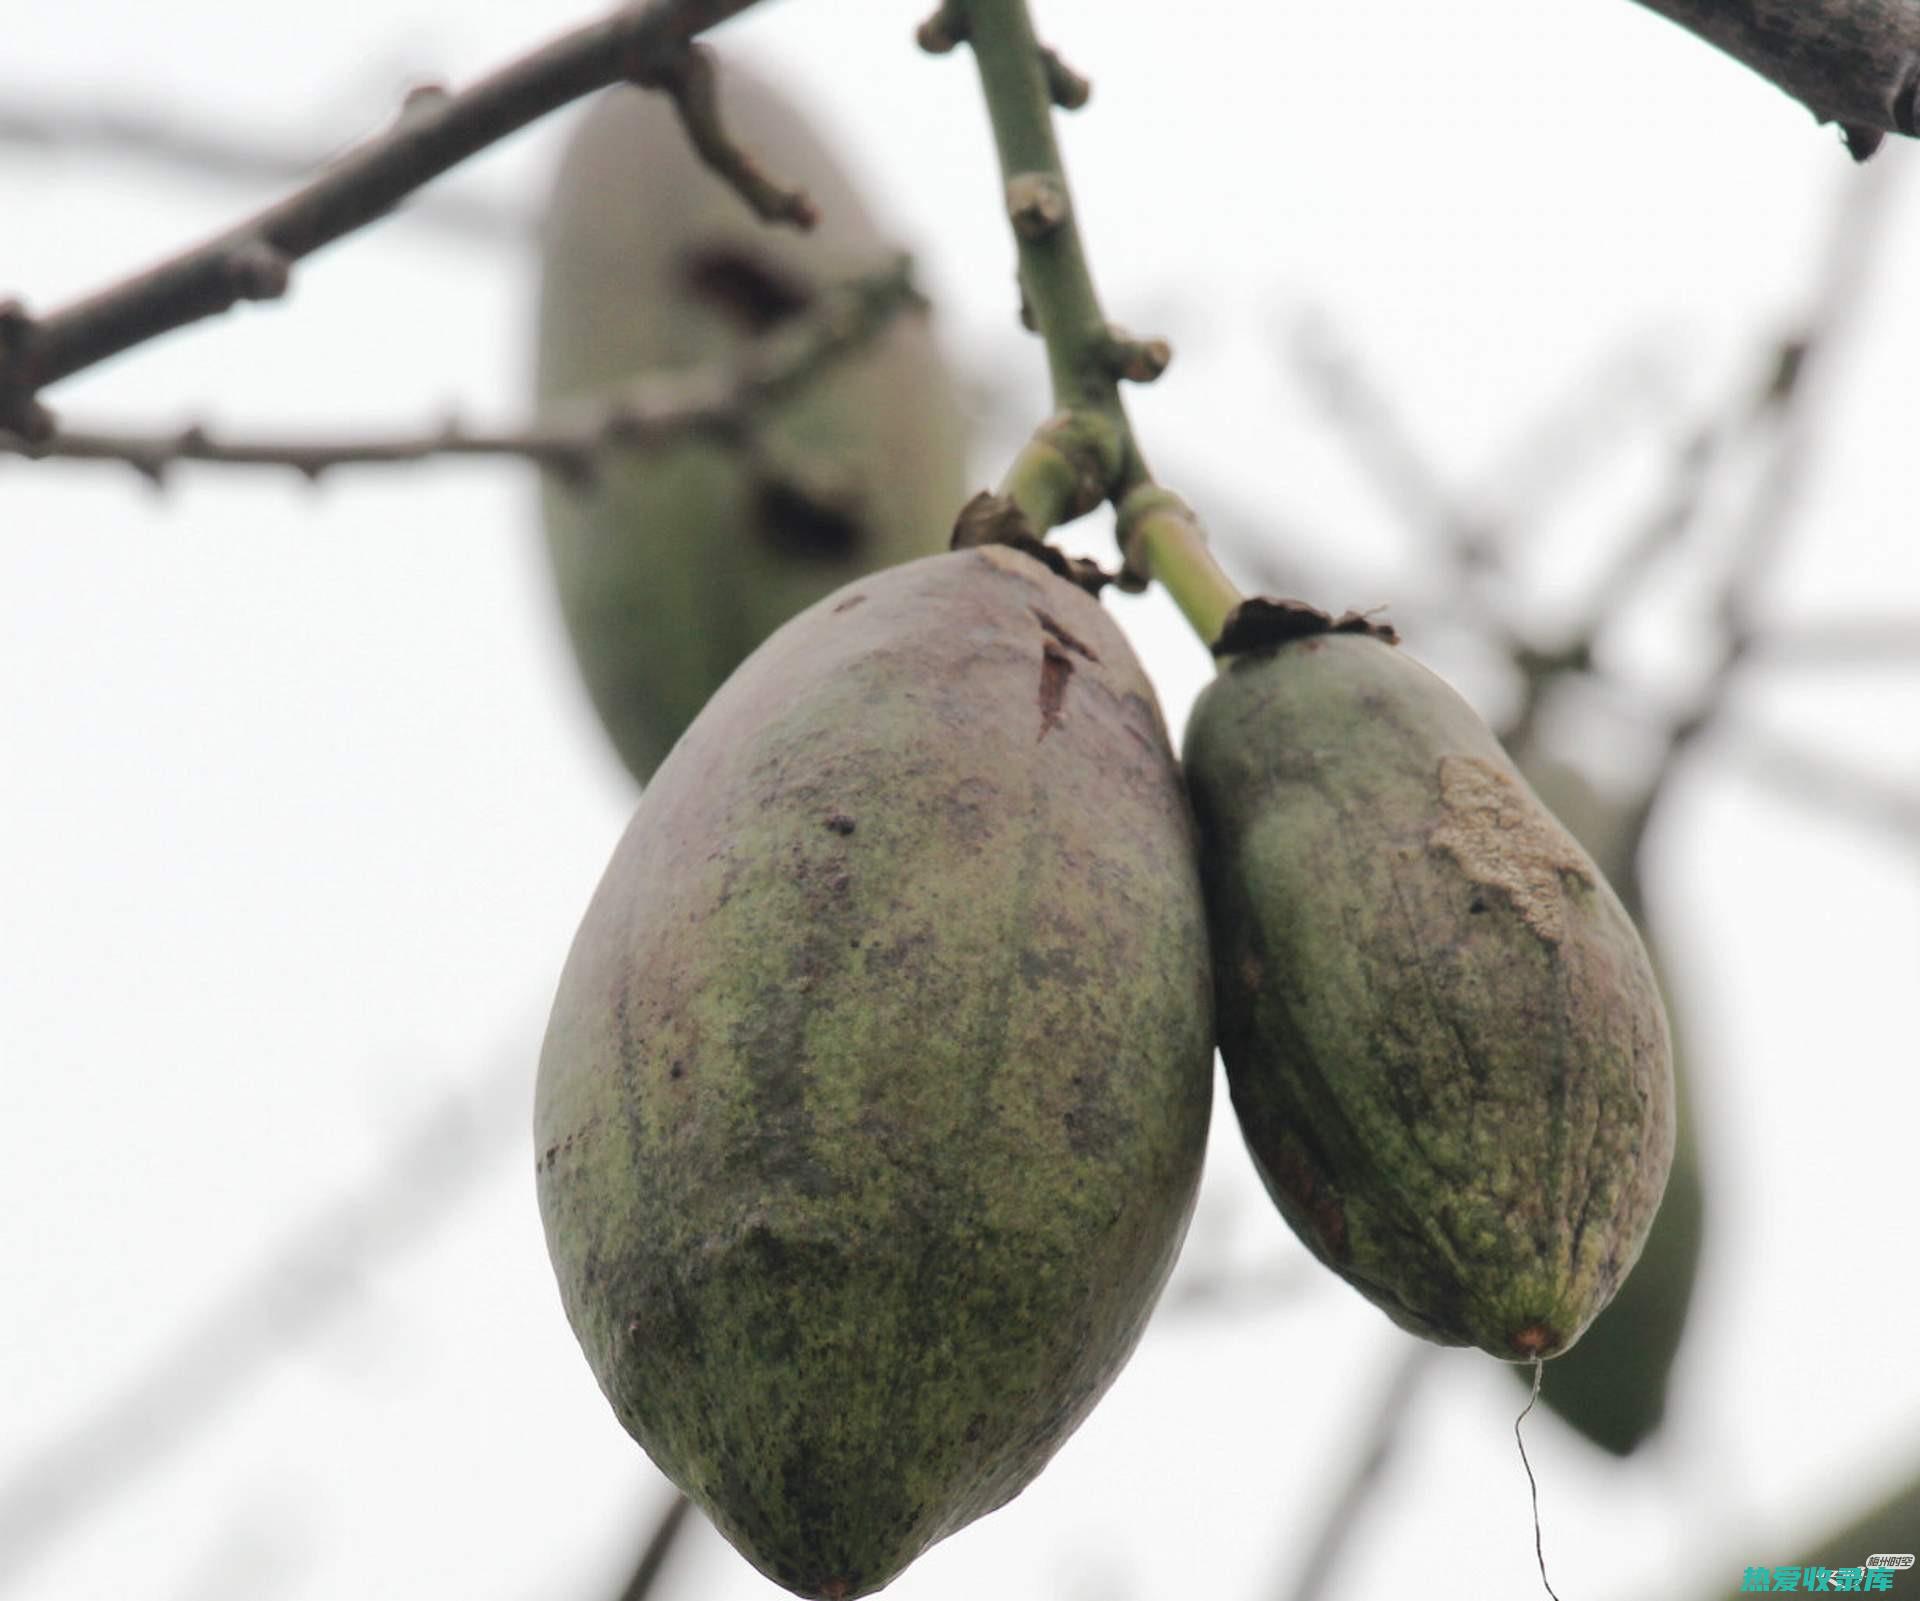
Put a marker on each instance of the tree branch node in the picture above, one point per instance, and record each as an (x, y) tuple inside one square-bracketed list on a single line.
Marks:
[(1036, 204), (688, 76), (255, 270)]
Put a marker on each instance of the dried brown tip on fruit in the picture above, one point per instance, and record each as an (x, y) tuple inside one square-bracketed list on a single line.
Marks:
[(1535, 1340)]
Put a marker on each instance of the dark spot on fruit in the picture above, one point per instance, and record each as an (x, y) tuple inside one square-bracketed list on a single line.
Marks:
[(799, 524), (1056, 667), (1065, 638), (840, 823), (1295, 1177), (1479, 904), (746, 288), (849, 603), (678, 1070)]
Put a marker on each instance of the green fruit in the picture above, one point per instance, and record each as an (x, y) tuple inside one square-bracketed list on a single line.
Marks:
[(872, 1107), (674, 565), (1443, 1037), (1612, 1387)]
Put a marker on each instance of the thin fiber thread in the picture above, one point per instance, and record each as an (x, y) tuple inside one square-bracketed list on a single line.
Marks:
[(1533, 1487)]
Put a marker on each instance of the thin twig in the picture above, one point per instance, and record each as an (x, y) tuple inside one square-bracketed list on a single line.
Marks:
[(689, 78), (175, 141), (660, 1543), (265, 1312), (1782, 405), (1863, 797), (1382, 444), (721, 401), (1384, 1429), (254, 260)]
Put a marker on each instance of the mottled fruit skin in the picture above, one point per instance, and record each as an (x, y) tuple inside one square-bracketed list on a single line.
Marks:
[(674, 565), (1443, 1038), (873, 1103), (1612, 1386)]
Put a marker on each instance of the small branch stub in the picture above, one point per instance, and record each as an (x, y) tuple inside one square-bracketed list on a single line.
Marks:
[(1138, 361), (1036, 204), (942, 32), (257, 271), (1065, 87)]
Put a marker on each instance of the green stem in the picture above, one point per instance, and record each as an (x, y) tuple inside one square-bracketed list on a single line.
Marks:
[(1088, 452), (1053, 263), (1163, 540)]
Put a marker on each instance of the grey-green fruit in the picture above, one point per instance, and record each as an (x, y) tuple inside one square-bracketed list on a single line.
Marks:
[(1612, 1386), (1443, 1038), (872, 1106), (673, 566)]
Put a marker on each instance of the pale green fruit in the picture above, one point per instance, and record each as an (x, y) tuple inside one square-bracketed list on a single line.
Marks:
[(677, 564), (872, 1107), (1443, 1036)]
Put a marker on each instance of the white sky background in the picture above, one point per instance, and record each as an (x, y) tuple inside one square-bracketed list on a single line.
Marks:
[(299, 802)]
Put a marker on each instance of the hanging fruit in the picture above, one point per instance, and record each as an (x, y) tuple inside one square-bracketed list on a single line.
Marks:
[(872, 1107)]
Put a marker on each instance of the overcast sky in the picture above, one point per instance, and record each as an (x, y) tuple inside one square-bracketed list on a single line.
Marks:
[(300, 802)]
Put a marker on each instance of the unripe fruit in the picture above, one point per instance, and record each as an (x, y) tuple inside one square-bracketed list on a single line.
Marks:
[(872, 1106), (1612, 1386), (1443, 1037), (674, 564)]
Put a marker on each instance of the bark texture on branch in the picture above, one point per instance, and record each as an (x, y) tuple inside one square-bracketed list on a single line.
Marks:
[(1854, 62)]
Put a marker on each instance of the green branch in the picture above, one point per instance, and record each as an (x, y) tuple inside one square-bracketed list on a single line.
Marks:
[(1087, 453)]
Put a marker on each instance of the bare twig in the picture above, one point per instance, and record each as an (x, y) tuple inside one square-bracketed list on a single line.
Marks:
[(660, 1543), (254, 260), (176, 141), (1854, 62), (1628, 387), (1382, 443), (1383, 1435), (720, 401), (688, 76), (1825, 785), (1851, 247), (261, 1317)]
